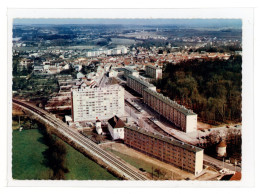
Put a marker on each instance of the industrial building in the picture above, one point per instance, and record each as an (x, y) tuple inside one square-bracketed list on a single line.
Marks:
[(184, 156), (139, 85), (91, 103), (153, 71), (181, 117)]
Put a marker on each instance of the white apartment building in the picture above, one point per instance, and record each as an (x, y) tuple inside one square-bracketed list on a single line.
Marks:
[(130, 71), (91, 103), (153, 71)]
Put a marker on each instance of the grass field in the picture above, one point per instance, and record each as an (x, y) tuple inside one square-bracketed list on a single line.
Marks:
[(27, 160), (27, 156), (134, 161), (147, 166), (82, 168)]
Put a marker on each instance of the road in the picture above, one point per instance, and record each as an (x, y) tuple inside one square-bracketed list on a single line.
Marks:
[(220, 164), (159, 127), (121, 167)]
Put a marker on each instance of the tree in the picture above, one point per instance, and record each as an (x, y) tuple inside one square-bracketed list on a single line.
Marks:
[(212, 87)]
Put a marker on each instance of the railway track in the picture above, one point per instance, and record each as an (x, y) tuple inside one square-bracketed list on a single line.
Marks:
[(105, 156)]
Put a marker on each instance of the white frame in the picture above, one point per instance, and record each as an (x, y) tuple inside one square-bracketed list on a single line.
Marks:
[(246, 14)]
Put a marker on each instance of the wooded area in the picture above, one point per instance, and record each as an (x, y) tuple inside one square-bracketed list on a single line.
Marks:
[(211, 87)]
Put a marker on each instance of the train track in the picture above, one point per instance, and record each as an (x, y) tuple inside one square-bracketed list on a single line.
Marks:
[(105, 156)]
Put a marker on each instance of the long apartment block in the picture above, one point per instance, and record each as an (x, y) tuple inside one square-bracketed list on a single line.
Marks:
[(138, 85), (184, 156), (153, 71), (181, 117), (91, 103), (130, 71)]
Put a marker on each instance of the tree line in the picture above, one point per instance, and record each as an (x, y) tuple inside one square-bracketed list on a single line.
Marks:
[(54, 155), (210, 87)]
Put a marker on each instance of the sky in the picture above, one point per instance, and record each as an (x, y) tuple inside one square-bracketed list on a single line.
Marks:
[(191, 22)]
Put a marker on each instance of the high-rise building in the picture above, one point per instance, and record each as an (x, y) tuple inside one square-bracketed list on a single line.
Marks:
[(91, 103)]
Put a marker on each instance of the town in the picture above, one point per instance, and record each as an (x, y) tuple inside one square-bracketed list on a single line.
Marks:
[(100, 88)]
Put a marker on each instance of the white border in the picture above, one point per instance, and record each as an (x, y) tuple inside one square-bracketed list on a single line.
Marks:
[(246, 14)]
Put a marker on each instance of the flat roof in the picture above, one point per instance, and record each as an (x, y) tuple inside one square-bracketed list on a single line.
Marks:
[(130, 69), (171, 103), (153, 67), (141, 81), (173, 141)]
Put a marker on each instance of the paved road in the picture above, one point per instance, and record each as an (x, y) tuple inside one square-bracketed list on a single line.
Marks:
[(165, 129), (118, 165), (220, 163)]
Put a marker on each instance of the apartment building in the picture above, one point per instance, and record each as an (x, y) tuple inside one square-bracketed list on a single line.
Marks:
[(184, 156), (181, 117), (153, 71), (139, 85), (130, 71), (91, 103)]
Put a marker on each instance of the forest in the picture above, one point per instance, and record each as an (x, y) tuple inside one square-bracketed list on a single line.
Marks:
[(212, 88)]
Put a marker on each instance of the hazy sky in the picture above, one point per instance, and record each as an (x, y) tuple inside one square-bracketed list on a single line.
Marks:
[(190, 22)]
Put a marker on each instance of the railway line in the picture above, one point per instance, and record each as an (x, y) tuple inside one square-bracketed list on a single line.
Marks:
[(105, 156)]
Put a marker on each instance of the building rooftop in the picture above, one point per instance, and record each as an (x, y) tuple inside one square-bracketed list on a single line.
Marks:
[(166, 139), (236, 177), (116, 122), (130, 69), (170, 102), (222, 144), (152, 66), (141, 81), (109, 87)]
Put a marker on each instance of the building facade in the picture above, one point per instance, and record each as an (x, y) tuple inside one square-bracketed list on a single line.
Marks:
[(153, 71), (222, 149), (184, 156), (98, 127), (130, 71), (139, 85), (184, 119), (91, 103), (116, 128)]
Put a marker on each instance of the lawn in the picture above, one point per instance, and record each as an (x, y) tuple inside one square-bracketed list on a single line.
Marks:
[(27, 160), (27, 156), (138, 163), (82, 168)]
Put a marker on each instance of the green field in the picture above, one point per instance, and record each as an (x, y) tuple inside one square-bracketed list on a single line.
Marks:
[(27, 160), (82, 168), (138, 163), (27, 156)]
